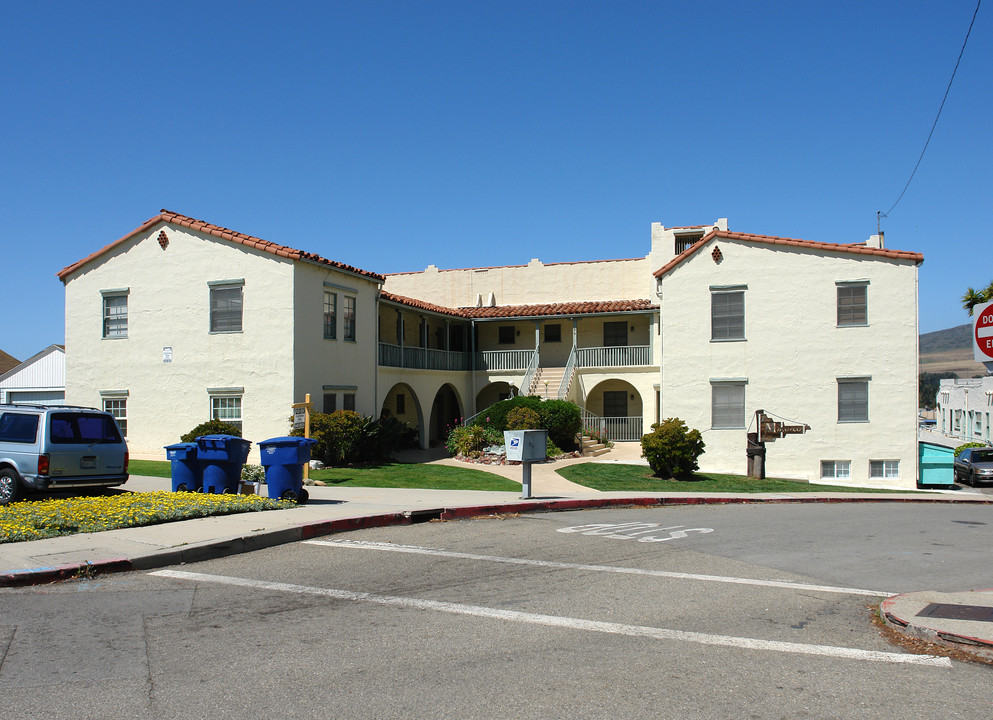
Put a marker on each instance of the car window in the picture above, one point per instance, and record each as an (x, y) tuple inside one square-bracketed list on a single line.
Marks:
[(982, 455), (18, 428), (83, 428)]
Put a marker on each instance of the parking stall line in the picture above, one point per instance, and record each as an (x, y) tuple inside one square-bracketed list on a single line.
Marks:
[(564, 622), (413, 549)]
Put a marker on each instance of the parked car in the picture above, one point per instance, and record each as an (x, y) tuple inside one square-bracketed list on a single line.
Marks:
[(974, 465), (52, 448)]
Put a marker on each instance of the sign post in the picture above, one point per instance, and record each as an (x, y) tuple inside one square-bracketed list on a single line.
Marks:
[(301, 419), (982, 334)]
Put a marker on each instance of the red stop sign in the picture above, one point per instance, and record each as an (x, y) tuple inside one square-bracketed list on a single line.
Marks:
[(982, 331)]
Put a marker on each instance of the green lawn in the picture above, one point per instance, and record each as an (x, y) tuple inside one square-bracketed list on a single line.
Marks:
[(639, 478), (387, 475), (406, 475)]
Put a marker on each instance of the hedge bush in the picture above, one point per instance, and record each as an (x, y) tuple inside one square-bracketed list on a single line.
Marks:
[(344, 437), (211, 427), (561, 418), (672, 449)]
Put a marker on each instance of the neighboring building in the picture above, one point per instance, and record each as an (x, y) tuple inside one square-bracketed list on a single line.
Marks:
[(7, 362), (964, 409), (709, 326), (39, 380)]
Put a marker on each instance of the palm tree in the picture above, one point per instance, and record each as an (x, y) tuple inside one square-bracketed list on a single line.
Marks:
[(973, 297)]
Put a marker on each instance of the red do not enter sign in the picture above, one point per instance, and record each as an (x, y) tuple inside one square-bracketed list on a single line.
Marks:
[(982, 332)]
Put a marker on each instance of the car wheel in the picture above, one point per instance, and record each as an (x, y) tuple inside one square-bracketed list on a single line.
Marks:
[(10, 486)]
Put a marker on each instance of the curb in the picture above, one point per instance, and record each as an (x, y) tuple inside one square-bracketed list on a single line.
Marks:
[(212, 549), (967, 644)]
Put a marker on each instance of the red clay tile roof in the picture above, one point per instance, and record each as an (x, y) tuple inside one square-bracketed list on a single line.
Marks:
[(562, 308), (918, 258), (508, 311), (420, 304), (225, 234)]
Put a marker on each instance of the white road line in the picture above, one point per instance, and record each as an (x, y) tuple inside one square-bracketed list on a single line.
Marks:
[(565, 622), (390, 547)]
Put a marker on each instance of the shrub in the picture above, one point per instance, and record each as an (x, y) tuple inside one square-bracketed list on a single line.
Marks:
[(563, 421), (960, 448), (523, 418), (211, 427), (496, 414), (252, 473), (671, 449), (344, 436)]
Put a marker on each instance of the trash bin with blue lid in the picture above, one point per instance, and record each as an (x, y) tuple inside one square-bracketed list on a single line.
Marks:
[(222, 457), (187, 472), (283, 459)]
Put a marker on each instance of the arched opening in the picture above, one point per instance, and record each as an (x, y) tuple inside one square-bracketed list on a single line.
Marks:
[(621, 408), (446, 412), (494, 392), (401, 403)]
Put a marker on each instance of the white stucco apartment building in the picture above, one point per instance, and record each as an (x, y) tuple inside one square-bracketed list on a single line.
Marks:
[(965, 409), (184, 320)]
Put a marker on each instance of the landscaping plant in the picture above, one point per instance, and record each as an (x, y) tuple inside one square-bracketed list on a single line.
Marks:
[(672, 449)]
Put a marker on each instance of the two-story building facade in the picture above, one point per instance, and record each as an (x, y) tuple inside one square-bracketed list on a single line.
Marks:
[(185, 320)]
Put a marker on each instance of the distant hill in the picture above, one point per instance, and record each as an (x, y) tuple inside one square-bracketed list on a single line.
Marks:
[(949, 350)]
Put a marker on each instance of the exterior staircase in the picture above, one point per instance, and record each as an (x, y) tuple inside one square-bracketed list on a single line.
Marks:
[(546, 382), (592, 448)]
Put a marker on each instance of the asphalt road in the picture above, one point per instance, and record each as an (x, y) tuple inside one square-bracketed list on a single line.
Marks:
[(711, 612)]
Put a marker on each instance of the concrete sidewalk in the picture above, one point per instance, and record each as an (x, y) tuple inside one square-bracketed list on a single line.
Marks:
[(340, 509)]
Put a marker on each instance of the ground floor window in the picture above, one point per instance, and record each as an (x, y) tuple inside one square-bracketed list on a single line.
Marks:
[(836, 469), (118, 407), (727, 405), (330, 402), (615, 403), (884, 469), (348, 401), (227, 409)]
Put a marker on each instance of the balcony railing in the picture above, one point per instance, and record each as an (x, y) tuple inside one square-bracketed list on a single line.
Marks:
[(616, 429), (421, 358), (619, 356), (503, 359)]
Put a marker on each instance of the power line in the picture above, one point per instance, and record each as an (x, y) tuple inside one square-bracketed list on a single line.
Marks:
[(964, 42)]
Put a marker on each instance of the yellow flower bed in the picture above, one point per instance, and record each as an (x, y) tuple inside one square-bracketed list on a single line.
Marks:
[(51, 518)]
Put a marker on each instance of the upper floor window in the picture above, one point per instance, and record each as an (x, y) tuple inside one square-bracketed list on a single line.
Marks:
[(852, 309), (330, 314), (226, 304), (115, 313), (853, 400), (727, 404), (348, 318), (727, 314), (685, 240), (615, 334), (506, 335)]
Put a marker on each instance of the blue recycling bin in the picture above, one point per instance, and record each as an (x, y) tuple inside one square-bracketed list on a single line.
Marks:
[(222, 457), (283, 459), (187, 473)]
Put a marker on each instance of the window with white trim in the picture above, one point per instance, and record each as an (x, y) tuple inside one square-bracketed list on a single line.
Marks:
[(852, 304), (836, 469), (330, 314), (115, 314), (853, 400), (727, 315), (884, 469), (348, 318), (727, 405), (118, 407), (226, 306), (226, 408)]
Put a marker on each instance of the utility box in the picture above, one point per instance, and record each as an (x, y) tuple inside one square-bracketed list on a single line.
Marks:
[(526, 445)]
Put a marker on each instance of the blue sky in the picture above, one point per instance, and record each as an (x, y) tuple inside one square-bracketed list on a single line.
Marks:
[(393, 135)]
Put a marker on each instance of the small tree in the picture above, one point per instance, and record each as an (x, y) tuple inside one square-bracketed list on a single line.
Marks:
[(972, 297), (523, 418), (211, 427), (672, 449)]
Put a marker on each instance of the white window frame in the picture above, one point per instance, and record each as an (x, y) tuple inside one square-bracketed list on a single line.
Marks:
[(115, 321), (116, 403), (227, 405), (330, 314), (853, 310), (721, 392), (847, 408), (727, 322), (348, 318), (223, 306), (836, 469), (884, 469)]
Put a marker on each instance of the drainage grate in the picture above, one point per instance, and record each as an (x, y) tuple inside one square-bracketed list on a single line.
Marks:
[(982, 613)]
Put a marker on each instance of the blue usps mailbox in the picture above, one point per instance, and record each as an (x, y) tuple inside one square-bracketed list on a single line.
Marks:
[(526, 446)]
